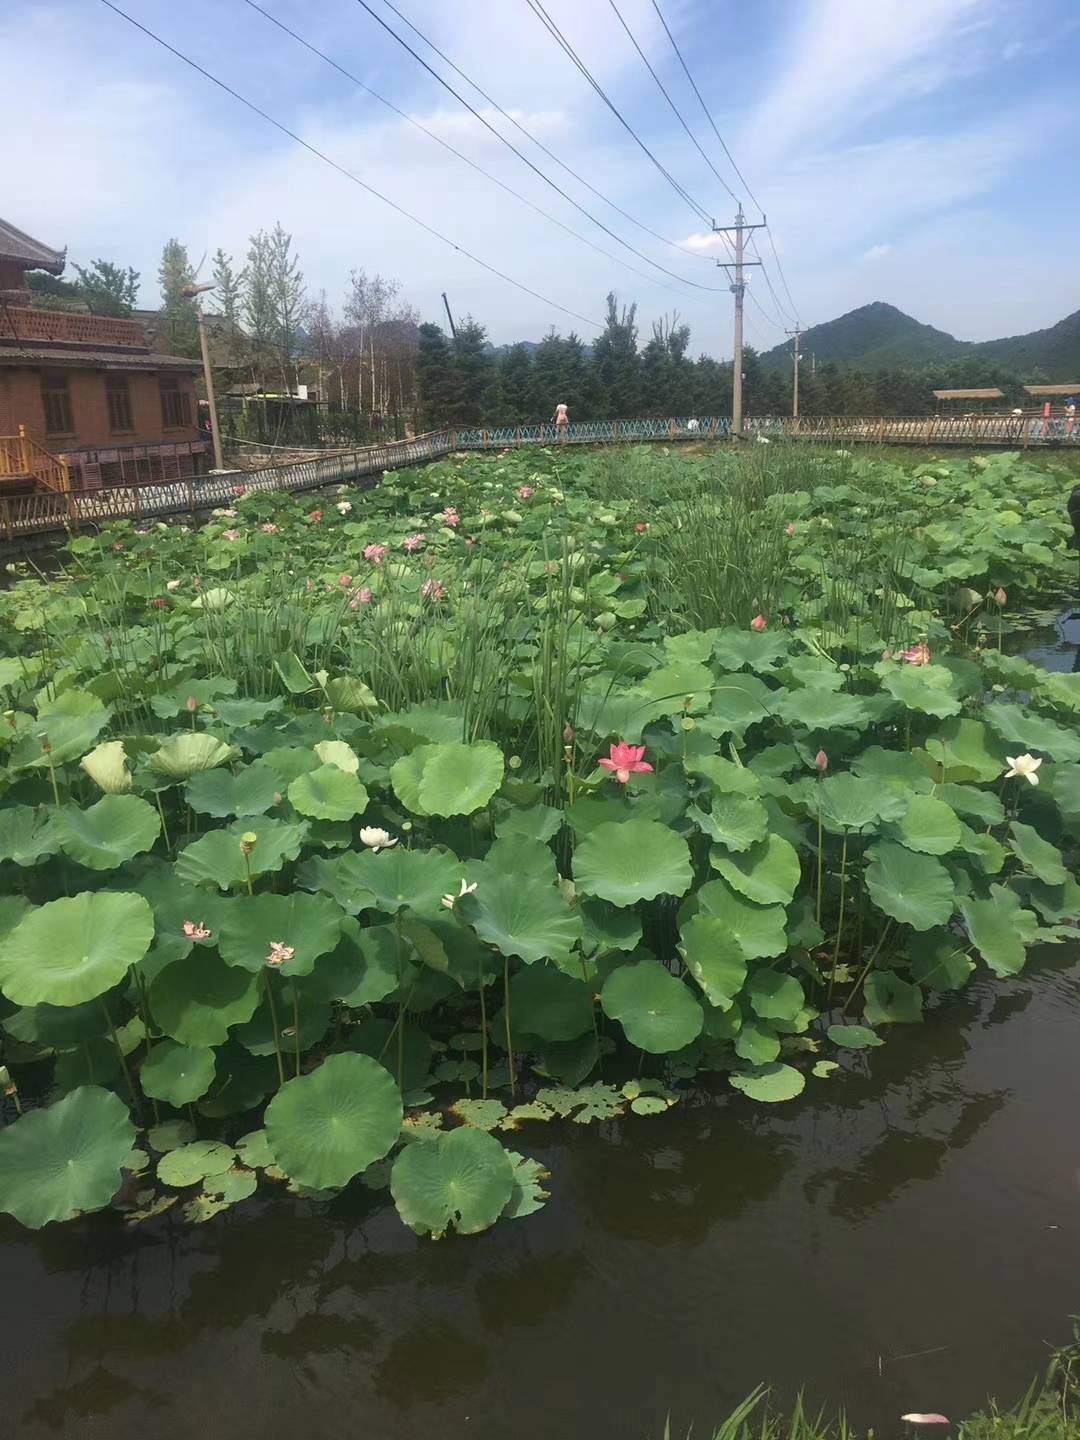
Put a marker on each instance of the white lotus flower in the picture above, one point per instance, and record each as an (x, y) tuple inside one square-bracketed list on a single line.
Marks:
[(172, 584), (343, 507), (449, 901), (375, 838), (1023, 765)]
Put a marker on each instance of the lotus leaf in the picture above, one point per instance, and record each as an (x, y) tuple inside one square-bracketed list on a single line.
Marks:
[(774, 995), (735, 821), (400, 878), (854, 1037), (196, 1000), (767, 873), (310, 925), (759, 929), (326, 1127), (1000, 929), (939, 960), (769, 1084), (194, 1162), (890, 1000), (252, 790), (328, 793), (108, 833), (821, 710), (1037, 855), (170, 1135), (461, 1178), (177, 1074), (106, 765), (185, 754), (65, 1160), (218, 858), (549, 1004), (757, 1042), (657, 1011), (28, 834), (929, 689), (482, 1114), (915, 889), (714, 957), (522, 916), (72, 950), (528, 1194), (928, 826), (336, 752), (634, 861)]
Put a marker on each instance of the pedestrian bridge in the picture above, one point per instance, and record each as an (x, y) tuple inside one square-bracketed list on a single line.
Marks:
[(49, 513)]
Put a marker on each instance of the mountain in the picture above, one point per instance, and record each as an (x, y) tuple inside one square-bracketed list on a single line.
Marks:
[(879, 336)]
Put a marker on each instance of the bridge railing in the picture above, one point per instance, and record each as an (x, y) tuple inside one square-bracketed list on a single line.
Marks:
[(42, 512)]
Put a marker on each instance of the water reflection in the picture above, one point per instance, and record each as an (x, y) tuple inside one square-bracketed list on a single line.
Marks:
[(720, 1244)]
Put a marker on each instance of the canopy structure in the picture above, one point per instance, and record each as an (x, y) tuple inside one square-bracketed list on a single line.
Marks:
[(18, 249), (1047, 392), (989, 394)]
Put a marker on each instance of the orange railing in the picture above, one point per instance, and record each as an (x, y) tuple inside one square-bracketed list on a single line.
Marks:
[(24, 459)]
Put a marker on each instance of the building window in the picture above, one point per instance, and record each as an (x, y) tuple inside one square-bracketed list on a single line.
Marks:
[(57, 405), (175, 403), (118, 398)]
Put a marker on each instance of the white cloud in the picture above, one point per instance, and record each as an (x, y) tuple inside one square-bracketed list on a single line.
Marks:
[(877, 252)]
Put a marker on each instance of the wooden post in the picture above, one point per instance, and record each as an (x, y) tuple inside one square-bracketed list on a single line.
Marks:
[(191, 495), (8, 527), (24, 449)]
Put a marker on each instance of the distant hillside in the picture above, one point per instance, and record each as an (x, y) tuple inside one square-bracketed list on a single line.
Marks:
[(879, 336)]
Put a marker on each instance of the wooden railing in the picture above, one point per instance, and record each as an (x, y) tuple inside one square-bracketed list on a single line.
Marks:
[(22, 458), (19, 322), (44, 512)]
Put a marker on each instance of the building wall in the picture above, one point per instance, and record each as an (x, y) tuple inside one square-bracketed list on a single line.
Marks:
[(21, 404)]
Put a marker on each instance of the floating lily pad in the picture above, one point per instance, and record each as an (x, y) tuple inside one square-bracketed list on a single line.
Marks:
[(528, 1194), (656, 1010), (326, 1127), (65, 1160), (757, 1042), (461, 1178), (482, 1114), (854, 1037), (72, 950), (170, 1135), (637, 860), (106, 834), (254, 1149), (769, 1084), (192, 1163)]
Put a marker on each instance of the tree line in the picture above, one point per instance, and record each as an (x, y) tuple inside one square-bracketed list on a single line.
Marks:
[(370, 358)]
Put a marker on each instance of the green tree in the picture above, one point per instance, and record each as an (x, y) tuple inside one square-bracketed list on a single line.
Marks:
[(257, 304), (434, 377), (180, 315), (472, 371), (616, 363), (515, 370), (108, 289), (286, 284)]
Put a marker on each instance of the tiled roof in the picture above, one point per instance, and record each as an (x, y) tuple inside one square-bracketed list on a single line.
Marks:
[(35, 355), (25, 250)]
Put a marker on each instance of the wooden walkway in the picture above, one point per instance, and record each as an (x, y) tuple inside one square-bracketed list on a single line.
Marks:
[(47, 513)]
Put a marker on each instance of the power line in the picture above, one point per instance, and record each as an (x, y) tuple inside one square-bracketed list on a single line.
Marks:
[(553, 30), (491, 269), (727, 152), (694, 254), (447, 146), (674, 108), (524, 158), (781, 310)]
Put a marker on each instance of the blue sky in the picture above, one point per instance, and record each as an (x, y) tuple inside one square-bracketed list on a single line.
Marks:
[(921, 152)]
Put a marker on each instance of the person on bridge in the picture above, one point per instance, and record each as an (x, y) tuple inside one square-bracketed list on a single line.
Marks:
[(1070, 414), (562, 420)]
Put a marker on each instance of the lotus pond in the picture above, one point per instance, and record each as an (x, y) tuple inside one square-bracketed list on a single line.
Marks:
[(355, 846)]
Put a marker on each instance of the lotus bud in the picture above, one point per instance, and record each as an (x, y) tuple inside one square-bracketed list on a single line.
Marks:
[(46, 747), (514, 762), (568, 735), (248, 841), (821, 760), (6, 1083), (192, 704), (9, 716), (1000, 596), (277, 797)]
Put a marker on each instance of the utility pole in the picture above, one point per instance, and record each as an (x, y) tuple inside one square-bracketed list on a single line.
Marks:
[(192, 292), (738, 289), (446, 302), (795, 354)]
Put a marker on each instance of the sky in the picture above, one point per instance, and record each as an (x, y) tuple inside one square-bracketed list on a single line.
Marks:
[(921, 152)]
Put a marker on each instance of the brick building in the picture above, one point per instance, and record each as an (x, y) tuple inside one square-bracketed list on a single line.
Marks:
[(87, 389)]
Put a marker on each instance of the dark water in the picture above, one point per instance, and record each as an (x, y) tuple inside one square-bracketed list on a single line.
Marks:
[(906, 1237)]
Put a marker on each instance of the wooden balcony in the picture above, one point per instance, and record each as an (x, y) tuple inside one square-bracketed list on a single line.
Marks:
[(24, 465), (61, 327)]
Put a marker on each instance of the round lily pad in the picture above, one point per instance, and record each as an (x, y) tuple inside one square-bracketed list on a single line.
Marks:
[(218, 858), (854, 1037), (460, 1177), (459, 779), (195, 1000), (735, 821), (75, 949), (328, 793), (308, 924), (248, 791), (632, 861), (767, 873), (177, 1074), (914, 889), (106, 834), (759, 929), (326, 1127), (714, 957), (395, 878), (547, 1003), (774, 995), (66, 1160), (770, 1084), (928, 826), (656, 1010)]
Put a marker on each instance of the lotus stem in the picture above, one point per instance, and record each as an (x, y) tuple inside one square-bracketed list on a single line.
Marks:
[(483, 1026), (164, 826), (866, 969), (820, 850), (296, 1024), (509, 1035), (840, 919), (275, 1026), (128, 1080)]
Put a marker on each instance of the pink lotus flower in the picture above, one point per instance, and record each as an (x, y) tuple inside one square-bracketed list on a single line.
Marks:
[(918, 1417), (159, 602), (918, 655), (413, 542), (759, 623), (640, 528), (196, 930), (231, 535), (433, 590), (279, 953), (191, 704), (345, 580), (470, 540), (269, 528), (375, 553), (450, 517), (239, 489), (526, 492), (789, 529), (626, 760), (315, 516), (117, 547), (360, 596), (821, 760)]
